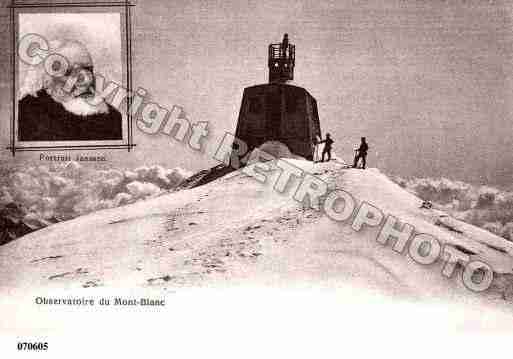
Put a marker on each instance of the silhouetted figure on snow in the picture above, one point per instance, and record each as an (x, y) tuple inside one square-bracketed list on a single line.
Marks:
[(327, 147), (361, 152)]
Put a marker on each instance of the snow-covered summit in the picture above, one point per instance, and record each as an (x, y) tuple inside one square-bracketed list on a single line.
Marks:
[(238, 231)]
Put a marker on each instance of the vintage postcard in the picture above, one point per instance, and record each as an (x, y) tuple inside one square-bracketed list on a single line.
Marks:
[(256, 178)]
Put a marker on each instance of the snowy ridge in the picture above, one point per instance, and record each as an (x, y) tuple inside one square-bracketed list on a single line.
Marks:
[(237, 231)]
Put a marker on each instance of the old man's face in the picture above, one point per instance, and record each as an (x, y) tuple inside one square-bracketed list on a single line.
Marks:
[(70, 79), (71, 73)]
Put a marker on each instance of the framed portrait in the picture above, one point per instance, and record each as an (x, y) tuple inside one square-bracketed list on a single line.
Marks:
[(71, 76)]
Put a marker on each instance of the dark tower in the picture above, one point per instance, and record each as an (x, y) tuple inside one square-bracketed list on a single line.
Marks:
[(278, 110)]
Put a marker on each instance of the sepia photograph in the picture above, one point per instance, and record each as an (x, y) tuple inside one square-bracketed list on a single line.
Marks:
[(239, 178), (59, 57)]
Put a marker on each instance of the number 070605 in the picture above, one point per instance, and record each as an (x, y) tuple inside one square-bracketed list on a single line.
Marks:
[(32, 346)]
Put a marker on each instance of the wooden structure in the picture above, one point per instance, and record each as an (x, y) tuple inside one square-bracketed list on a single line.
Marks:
[(278, 110)]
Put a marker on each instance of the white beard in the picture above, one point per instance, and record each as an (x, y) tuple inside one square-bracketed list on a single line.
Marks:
[(85, 107)]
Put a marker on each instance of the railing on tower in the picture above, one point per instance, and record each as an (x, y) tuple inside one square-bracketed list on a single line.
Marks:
[(281, 61)]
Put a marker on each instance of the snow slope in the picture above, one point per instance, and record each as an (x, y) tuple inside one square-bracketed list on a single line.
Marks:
[(236, 231)]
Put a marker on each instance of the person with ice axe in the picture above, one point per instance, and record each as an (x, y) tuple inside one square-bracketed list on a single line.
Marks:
[(361, 152), (327, 147)]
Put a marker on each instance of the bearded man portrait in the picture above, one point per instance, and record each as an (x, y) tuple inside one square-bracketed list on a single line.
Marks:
[(58, 99)]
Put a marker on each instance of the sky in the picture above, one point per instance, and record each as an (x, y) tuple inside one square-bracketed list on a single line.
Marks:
[(429, 83)]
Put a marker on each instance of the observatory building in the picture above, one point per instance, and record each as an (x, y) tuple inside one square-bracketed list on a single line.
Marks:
[(279, 110)]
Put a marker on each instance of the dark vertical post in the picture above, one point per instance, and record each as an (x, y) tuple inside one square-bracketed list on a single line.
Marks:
[(129, 72), (13, 67)]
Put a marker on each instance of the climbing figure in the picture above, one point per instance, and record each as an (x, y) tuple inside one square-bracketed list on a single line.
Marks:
[(361, 152), (327, 147), (284, 46)]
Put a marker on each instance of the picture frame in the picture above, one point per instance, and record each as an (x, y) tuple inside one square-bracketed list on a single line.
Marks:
[(111, 48)]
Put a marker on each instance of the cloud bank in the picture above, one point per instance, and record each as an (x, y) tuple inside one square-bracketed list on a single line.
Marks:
[(483, 206), (64, 191)]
